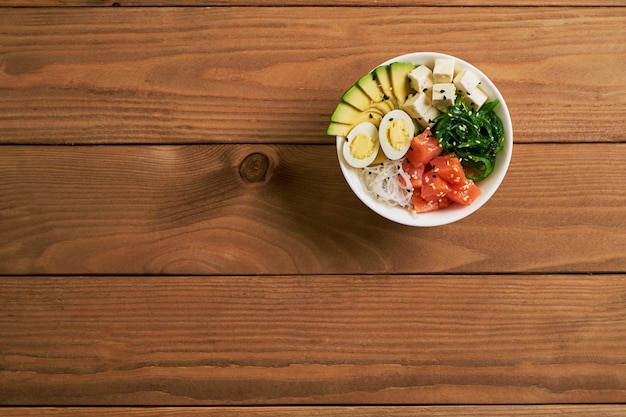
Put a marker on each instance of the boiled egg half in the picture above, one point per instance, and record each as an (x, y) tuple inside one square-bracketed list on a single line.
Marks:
[(395, 134), (361, 145)]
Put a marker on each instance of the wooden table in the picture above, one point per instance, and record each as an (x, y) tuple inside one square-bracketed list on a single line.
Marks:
[(176, 237)]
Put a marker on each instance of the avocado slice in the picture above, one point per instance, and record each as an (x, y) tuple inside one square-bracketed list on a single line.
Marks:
[(342, 129), (369, 85), (373, 117), (400, 83), (384, 107), (384, 80), (338, 129), (371, 97), (345, 113), (356, 97)]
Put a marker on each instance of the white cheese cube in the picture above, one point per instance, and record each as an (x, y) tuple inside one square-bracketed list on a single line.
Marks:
[(476, 99), (466, 82), (419, 107), (428, 120), (443, 95), (417, 104), (421, 79), (443, 71)]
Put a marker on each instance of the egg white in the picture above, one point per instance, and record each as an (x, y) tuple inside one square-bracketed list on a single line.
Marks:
[(390, 151), (369, 129)]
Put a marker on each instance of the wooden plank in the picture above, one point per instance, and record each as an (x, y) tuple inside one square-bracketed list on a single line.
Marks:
[(274, 75), (317, 411), (323, 3), (280, 340), (186, 210)]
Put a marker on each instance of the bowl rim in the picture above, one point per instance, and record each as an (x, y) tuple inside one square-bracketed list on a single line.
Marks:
[(487, 186)]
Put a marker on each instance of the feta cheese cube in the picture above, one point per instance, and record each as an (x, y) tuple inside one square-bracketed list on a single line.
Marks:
[(443, 71), (417, 104), (421, 79), (466, 82), (420, 107), (428, 120), (476, 99), (444, 95)]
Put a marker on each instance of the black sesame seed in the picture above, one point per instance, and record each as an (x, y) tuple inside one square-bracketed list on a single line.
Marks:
[(425, 90), (442, 91)]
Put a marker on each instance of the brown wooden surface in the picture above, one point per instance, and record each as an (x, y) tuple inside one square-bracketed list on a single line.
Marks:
[(332, 411), (176, 236), (273, 75), (376, 3), (313, 339), (187, 210)]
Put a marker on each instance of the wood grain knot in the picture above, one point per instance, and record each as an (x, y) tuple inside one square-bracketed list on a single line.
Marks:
[(254, 167)]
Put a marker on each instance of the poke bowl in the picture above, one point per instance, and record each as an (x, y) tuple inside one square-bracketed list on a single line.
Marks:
[(424, 139)]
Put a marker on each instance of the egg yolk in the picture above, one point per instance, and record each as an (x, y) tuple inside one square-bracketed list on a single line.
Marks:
[(398, 134), (362, 146)]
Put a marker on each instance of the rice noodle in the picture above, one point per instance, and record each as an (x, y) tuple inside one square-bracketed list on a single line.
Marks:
[(382, 181)]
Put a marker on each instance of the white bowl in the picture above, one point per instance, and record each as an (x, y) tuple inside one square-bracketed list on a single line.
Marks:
[(487, 186)]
